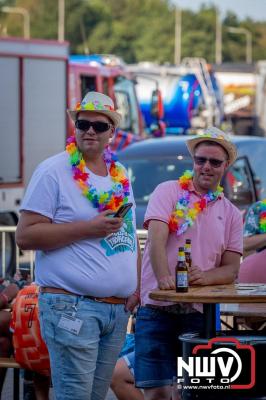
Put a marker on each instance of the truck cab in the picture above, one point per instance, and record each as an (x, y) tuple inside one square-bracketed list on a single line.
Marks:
[(192, 97), (107, 74)]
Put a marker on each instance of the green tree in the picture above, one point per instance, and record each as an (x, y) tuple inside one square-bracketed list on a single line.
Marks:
[(198, 36), (136, 30)]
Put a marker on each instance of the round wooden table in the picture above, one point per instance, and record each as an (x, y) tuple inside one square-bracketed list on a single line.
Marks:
[(211, 295)]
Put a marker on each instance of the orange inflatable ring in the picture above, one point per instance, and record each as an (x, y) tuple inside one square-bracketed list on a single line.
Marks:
[(30, 350)]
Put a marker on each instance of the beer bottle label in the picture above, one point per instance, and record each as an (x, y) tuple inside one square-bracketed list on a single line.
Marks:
[(182, 279)]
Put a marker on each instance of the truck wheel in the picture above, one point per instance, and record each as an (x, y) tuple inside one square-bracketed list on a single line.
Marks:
[(10, 247)]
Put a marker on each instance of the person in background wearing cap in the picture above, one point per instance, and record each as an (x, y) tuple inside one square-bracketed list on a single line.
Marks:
[(86, 259), (193, 207)]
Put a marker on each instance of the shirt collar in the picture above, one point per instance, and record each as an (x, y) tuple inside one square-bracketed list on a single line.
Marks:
[(191, 188)]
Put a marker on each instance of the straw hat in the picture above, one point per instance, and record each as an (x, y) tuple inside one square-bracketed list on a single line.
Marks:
[(213, 134), (97, 102)]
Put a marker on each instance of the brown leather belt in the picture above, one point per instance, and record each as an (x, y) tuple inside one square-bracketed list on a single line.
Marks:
[(109, 300)]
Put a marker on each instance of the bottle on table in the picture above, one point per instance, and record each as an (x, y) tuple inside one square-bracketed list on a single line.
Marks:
[(181, 272), (187, 250)]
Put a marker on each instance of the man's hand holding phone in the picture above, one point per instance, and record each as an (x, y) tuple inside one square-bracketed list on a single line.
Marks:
[(107, 222), (123, 210)]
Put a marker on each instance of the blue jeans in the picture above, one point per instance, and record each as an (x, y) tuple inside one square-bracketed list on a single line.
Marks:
[(82, 364), (129, 344), (157, 345), (130, 361)]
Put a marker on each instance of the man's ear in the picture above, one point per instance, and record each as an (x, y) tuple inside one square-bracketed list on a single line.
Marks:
[(227, 165), (112, 131)]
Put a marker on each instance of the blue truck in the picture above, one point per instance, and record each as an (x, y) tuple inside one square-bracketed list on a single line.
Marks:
[(192, 97)]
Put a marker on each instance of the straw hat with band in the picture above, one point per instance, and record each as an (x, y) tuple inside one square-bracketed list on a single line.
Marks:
[(97, 102), (213, 134)]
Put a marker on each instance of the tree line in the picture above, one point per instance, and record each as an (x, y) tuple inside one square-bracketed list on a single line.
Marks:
[(136, 30)]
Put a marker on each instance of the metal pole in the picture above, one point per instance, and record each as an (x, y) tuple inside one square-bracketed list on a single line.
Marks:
[(209, 313), (178, 29), (218, 39), (26, 18), (244, 31), (3, 254), (26, 24), (61, 20), (249, 47), (3, 30), (83, 34)]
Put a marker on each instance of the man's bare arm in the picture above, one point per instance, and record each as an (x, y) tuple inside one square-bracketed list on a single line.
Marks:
[(226, 273), (37, 232), (134, 299), (158, 235), (254, 242)]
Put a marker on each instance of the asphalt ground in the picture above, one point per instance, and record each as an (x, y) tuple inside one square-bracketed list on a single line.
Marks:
[(7, 392)]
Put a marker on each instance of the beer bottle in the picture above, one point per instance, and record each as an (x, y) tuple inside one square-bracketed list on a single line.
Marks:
[(181, 272), (188, 253)]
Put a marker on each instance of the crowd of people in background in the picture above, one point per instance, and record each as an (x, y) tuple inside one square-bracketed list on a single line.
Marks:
[(88, 261)]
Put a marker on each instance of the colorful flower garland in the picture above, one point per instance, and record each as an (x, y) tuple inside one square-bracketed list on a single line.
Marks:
[(92, 106), (262, 218), (185, 213), (113, 198)]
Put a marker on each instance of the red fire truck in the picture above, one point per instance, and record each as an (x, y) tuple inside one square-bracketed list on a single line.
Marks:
[(38, 82)]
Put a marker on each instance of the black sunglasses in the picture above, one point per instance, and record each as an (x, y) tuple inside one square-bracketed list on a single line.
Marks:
[(213, 161), (98, 126)]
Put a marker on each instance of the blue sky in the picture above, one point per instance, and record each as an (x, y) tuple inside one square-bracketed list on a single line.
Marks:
[(255, 9)]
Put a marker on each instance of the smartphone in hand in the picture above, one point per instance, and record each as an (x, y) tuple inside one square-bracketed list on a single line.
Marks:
[(123, 210)]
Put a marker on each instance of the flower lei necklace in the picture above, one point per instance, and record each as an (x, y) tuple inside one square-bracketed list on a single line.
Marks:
[(262, 219), (185, 213), (103, 200)]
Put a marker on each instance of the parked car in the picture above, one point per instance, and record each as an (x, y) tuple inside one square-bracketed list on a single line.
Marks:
[(152, 161)]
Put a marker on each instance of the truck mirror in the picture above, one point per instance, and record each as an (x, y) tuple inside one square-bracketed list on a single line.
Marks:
[(157, 109)]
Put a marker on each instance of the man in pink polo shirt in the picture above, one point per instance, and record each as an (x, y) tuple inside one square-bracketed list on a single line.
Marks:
[(195, 208)]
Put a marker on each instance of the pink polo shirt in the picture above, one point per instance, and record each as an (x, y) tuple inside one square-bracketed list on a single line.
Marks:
[(218, 228)]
